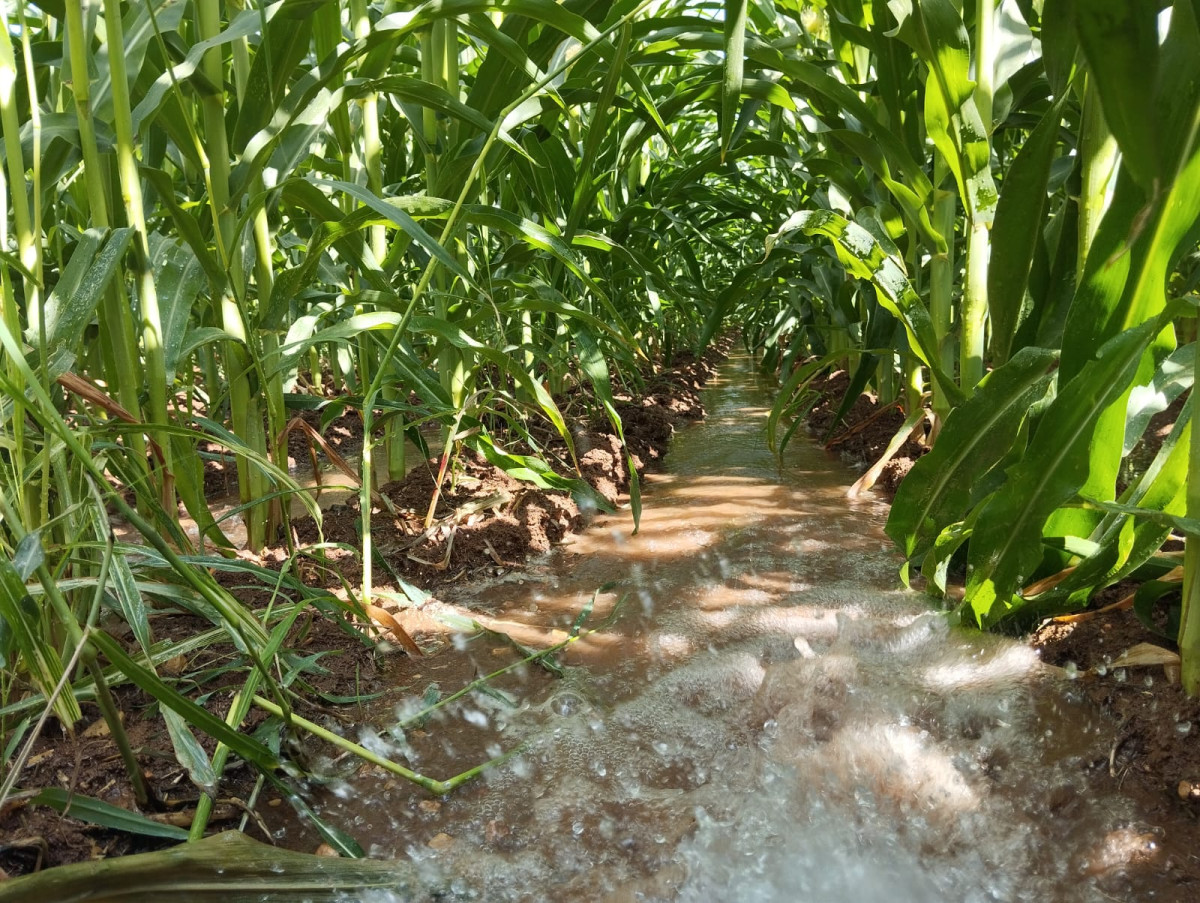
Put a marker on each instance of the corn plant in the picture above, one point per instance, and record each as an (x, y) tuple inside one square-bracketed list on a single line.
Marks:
[(446, 214), (452, 214), (1070, 162)]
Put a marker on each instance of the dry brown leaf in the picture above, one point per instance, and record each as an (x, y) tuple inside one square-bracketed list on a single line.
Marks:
[(1046, 583), (88, 391), (1121, 604), (384, 618), (1145, 655)]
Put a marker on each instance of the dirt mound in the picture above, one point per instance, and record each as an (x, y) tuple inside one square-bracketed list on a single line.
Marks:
[(484, 520), (862, 436)]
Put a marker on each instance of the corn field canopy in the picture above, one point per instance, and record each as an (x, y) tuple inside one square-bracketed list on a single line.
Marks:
[(473, 224)]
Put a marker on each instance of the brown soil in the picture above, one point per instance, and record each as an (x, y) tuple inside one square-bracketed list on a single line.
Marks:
[(35, 837), (469, 539), (1155, 754), (864, 434)]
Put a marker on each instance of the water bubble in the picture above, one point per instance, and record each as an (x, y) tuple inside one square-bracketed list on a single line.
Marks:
[(566, 704), (647, 602)]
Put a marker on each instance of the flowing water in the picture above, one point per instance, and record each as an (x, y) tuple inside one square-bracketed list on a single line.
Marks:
[(767, 718)]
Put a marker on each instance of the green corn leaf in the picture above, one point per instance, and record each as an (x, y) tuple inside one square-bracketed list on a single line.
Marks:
[(504, 362), (72, 304), (1186, 525), (935, 567), (242, 25), (1174, 376), (189, 753), (1059, 43), (1007, 543), (396, 215), (29, 555), (180, 278), (98, 812), (188, 470), (976, 436), (186, 223), (130, 600), (1119, 38), (138, 31), (284, 45), (39, 659), (877, 333), (731, 83), (1143, 233), (192, 714), (536, 471), (413, 90), (866, 258), (1146, 600), (1137, 245), (872, 153), (1022, 203), (935, 30), (1132, 531), (227, 867), (594, 367)]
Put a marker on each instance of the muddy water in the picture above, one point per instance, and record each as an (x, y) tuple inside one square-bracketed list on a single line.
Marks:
[(767, 718)]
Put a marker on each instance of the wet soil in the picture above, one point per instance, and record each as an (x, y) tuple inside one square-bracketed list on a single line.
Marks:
[(486, 526), (1154, 757), (484, 522), (863, 435), (87, 762)]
